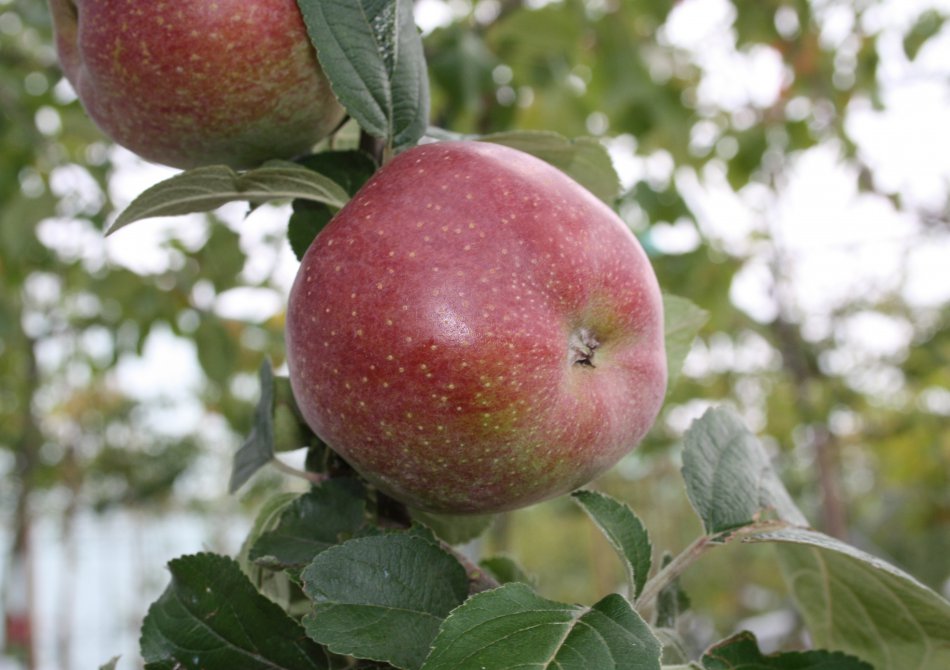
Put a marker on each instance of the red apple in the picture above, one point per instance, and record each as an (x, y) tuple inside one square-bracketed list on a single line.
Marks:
[(196, 82), (475, 332)]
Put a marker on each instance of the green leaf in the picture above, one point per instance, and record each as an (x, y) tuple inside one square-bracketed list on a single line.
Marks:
[(729, 479), (111, 665), (658, 205), (674, 647), (217, 347), (206, 188), (349, 169), (928, 24), (585, 160), (505, 570), (290, 430), (741, 652), (278, 426), (258, 449), (274, 585), (625, 532), (211, 617), (671, 601), (383, 597), (454, 528), (512, 627), (860, 604), (325, 516), (682, 322), (371, 51)]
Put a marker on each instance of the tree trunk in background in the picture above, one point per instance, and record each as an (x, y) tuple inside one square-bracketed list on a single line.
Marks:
[(17, 595), (796, 361)]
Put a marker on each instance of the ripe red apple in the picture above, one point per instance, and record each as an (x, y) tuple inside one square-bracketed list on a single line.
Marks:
[(196, 82), (476, 332)]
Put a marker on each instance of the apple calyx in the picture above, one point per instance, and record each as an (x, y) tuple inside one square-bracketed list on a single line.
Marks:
[(582, 345)]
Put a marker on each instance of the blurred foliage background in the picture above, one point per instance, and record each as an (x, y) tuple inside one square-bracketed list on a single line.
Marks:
[(748, 134)]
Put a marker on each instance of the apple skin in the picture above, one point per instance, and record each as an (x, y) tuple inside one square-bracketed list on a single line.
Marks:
[(439, 331), (194, 82)]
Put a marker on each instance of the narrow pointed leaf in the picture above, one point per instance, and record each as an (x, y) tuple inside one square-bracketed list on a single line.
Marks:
[(371, 51), (625, 532), (258, 449), (383, 597), (206, 188), (729, 478), (512, 627), (211, 618), (860, 604)]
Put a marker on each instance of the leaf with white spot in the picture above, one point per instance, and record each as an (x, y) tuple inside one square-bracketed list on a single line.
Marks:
[(211, 618), (383, 597)]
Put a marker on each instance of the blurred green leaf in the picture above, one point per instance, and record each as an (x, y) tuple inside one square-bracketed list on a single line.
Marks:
[(862, 605), (512, 627), (682, 322), (584, 159), (741, 652), (928, 24), (218, 349), (665, 205)]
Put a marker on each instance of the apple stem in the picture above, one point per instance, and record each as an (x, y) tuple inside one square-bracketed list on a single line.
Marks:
[(312, 477), (582, 345), (374, 146), (478, 578)]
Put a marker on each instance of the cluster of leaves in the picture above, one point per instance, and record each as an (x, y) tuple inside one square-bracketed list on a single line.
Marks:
[(333, 578)]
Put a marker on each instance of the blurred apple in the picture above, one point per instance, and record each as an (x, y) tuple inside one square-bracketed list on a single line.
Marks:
[(476, 332), (195, 82)]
